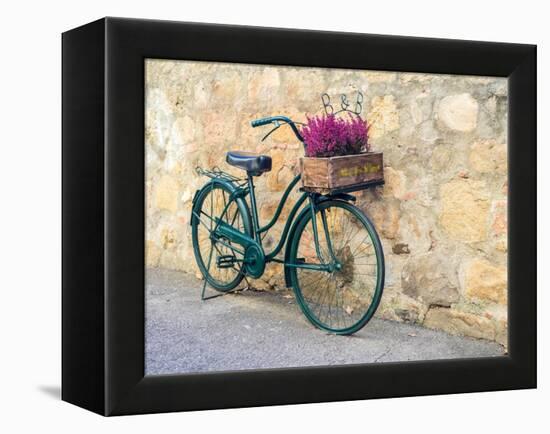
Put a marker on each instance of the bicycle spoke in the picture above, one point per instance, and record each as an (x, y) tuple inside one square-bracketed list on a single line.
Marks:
[(325, 293), (332, 293)]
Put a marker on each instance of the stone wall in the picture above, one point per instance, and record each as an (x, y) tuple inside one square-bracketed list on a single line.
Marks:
[(441, 215)]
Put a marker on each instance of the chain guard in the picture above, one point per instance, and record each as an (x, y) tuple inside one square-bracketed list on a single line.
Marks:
[(254, 260)]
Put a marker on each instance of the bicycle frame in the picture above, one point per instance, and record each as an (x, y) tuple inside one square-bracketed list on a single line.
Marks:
[(242, 239), (259, 230)]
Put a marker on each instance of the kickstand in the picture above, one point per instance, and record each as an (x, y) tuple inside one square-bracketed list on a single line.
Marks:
[(204, 289), (207, 270), (244, 288), (203, 298)]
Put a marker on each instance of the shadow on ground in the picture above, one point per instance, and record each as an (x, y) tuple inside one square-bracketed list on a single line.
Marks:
[(51, 391)]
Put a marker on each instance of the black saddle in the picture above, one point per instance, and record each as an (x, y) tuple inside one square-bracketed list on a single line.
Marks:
[(253, 163)]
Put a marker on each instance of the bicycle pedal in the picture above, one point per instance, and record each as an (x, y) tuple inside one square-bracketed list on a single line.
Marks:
[(226, 261)]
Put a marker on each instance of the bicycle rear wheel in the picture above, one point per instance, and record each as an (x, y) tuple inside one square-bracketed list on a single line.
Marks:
[(343, 300), (219, 263)]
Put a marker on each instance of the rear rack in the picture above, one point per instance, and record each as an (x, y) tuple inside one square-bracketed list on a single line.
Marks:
[(217, 173)]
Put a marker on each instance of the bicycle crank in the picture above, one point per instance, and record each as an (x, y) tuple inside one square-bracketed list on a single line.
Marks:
[(226, 261)]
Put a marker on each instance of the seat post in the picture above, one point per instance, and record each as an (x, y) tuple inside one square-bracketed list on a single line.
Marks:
[(255, 221)]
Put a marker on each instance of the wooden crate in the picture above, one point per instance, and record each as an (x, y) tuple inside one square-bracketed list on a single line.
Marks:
[(346, 173)]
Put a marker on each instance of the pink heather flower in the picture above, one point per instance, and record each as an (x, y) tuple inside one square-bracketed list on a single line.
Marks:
[(330, 136)]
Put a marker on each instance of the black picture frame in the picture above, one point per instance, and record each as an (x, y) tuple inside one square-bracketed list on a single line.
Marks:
[(103, 216)]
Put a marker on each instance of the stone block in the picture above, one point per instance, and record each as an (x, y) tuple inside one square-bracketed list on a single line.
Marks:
[(152, 254), (464, 210), (166, 193), (460, 323), (488, 156), (458, 112), (487, 282), (431, 279), (395, 183), (500, 218), (385, 216), (263, 86), (383, 116)]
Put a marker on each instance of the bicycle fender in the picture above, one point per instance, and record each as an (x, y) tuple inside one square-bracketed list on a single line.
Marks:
[(339, 196), (236, 194)]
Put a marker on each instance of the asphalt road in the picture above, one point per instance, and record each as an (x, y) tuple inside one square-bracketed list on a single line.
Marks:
[(258, 330)]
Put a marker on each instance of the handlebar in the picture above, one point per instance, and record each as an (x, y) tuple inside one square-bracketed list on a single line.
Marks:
[(260, 122), (275, 119)]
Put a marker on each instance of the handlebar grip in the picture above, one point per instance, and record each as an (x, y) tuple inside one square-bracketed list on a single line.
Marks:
[(262, 121)]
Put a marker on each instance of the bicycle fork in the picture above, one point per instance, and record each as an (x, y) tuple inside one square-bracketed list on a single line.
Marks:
[(334, 264)]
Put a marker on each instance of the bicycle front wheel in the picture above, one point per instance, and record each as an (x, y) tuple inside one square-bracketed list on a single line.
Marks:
[(344, 299)]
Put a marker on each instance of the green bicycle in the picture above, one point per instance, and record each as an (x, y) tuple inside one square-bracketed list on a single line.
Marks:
[(333, 258)]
